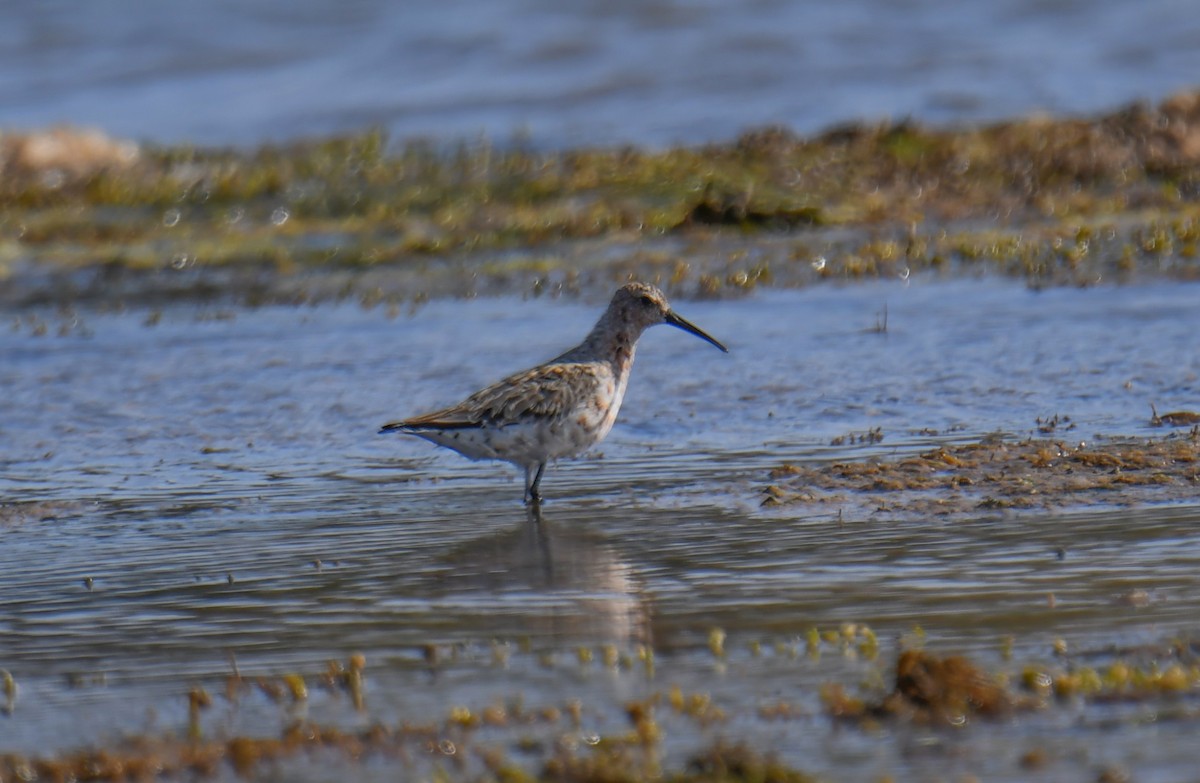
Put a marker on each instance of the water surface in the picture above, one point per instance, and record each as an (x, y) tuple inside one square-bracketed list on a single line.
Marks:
[(217, 479), (585, 73)]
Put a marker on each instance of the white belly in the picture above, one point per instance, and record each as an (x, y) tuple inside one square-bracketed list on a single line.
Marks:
[(537, 439)]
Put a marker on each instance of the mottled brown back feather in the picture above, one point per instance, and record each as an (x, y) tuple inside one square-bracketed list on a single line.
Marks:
[(545, 391)]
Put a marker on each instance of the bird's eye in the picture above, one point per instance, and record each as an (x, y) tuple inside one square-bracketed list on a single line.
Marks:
[(647, 300)]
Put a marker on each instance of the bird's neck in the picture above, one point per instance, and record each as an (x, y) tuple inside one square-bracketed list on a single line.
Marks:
[(614, 343), (621, 357)]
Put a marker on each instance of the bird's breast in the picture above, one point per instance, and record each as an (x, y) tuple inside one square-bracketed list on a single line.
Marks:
[(614, 394)]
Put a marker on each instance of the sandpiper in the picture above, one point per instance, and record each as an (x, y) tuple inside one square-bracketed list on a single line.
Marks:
[(560, 408)]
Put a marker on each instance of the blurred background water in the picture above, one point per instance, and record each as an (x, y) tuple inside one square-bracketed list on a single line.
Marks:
[(556, 75)]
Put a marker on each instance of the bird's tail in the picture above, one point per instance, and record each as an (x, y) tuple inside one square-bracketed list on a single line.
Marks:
[(425, 424)]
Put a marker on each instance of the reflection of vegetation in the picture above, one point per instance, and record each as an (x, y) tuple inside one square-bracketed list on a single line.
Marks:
[(1053, 200)]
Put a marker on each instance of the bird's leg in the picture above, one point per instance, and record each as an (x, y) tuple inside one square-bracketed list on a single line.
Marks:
[(533, 515), (531, 486), (537, 480)]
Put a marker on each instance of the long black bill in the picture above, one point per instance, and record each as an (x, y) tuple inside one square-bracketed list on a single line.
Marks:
[(688, 326)]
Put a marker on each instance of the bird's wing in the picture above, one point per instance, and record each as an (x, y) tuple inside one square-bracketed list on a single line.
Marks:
[(545, 391)]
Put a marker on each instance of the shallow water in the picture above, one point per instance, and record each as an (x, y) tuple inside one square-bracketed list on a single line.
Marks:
[(583, 73), (218, 479)]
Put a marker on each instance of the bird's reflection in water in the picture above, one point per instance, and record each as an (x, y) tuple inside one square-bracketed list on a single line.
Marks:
[(564, 582)]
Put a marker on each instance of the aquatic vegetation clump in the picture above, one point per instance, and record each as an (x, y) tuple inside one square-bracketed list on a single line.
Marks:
[(999, 474), (929, 689)]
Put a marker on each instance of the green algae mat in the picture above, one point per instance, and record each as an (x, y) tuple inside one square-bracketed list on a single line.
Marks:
[(1053, 201)]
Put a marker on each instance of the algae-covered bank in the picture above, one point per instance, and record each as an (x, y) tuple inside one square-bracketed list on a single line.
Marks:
[(933, 517), (87, 218)]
